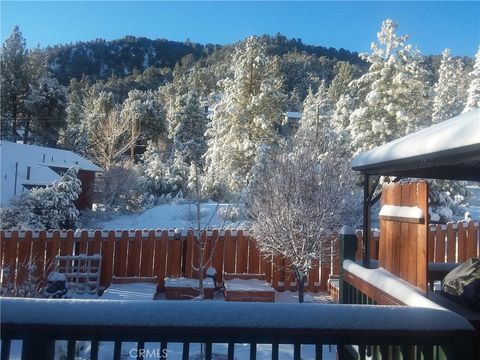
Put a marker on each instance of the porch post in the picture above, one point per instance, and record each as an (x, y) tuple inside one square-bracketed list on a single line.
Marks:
[(366, 220)]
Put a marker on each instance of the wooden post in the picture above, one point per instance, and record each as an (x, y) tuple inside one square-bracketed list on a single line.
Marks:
[(348, 246)]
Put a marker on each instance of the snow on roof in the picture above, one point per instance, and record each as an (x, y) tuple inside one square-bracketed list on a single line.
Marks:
[(293, 114), (452, 136), (34, 161)]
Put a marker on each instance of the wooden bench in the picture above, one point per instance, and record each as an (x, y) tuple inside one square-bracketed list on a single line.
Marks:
[(247, 288)]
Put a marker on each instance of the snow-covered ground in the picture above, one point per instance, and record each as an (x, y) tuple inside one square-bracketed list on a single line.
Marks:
[(182, 216), (168, 216)]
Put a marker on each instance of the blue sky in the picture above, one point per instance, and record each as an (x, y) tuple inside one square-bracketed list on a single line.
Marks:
[(432, 25)]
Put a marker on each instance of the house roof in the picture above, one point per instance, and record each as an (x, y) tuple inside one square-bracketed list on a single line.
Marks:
[(449, 150), (38, 159)]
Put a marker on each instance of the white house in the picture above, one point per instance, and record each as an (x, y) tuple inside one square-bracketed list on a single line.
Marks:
[(23, 167)]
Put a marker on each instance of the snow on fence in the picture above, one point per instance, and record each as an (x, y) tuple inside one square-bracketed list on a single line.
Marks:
[(454, 242), (162, 253)]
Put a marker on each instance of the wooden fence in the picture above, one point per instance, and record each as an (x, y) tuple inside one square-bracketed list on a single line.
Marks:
[(161, 253), (454, 242)]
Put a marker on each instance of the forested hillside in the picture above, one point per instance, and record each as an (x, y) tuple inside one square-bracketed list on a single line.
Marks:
[(159, 116)]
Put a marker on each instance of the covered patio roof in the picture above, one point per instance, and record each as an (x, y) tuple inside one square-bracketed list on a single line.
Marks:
[(449, 150)]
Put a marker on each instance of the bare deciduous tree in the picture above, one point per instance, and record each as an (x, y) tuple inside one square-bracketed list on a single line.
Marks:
[(200, 241), (111, 137), (295, 202)]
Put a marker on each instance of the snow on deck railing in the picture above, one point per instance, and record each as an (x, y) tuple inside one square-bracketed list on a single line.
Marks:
[(390, 284), (218, 315)]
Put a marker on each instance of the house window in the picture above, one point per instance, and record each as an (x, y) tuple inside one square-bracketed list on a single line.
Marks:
[(28, 172)]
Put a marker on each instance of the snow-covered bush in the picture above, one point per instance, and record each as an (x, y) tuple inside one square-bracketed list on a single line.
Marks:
[(123, 188), (232, 213), (29, 287), (161, 178), (51, 207)]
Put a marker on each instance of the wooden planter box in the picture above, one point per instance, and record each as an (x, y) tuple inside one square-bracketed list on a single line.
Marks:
[(187, 289), (248, 288)]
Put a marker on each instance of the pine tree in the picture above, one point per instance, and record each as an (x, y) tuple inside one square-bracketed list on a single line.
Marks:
[(46, 104), (146, 114), (341, 120), (315, 123), (344, 73), (14, 83), (51, 207), (75, 135), (392, 95), (473, 99), (187, 126), (248, 115), (161, 178), (449, 90)]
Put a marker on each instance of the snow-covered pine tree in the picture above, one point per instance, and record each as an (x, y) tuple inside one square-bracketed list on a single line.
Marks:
[(51, 207), (75, 135), (13, 83), (473, 92), (392, 95), (160, 178), (340, 122), (344, 73), (248, 114), (145, 113), (315, 122), (450, 89), (46, 104), (187, 126), (448, 102)]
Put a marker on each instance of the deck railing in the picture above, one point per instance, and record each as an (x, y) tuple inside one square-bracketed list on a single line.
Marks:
[(378, 287), (40, 322)]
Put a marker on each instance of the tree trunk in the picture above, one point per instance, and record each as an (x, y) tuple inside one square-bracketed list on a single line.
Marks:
[(14, 119), (301, 286), (27, 131), (301, 289)]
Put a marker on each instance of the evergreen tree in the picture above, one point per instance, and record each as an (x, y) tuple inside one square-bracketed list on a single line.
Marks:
[(344, 73), (317, 111), (392, 95), (51, 207), (14, 83), (341, 120), (46, 104), (75, 135), (161, 178), (187, 126), (473, 99), (248, 115), (146, 114), (449, 90)]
